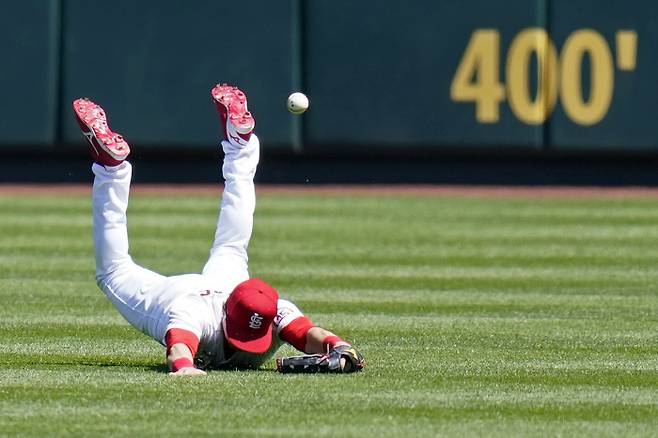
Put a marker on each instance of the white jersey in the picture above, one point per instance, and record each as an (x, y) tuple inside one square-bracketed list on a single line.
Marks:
[(189, 302)]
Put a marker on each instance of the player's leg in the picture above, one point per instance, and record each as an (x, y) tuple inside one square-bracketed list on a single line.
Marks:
[(117, 275), (110, 202), (228, 256)]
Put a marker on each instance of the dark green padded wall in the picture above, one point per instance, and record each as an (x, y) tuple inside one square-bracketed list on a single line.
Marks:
[(379, 73), (29, 49), (152, 63)]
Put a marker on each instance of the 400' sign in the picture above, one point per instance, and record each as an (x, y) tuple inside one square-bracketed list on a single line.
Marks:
[(477, 77)]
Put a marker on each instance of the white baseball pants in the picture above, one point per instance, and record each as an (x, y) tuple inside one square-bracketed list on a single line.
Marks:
[(131, 287)]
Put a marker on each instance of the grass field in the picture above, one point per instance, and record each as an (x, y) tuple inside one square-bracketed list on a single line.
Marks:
[(477, 316)]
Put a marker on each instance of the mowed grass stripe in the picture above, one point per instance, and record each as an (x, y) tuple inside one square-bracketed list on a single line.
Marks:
[(25, 262), (496, 317), (504, 253)]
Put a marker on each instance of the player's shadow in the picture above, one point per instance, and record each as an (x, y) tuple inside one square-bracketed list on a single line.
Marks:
[(110, 364), (159, 368), (97, 363), (162, 368), (155, 367)]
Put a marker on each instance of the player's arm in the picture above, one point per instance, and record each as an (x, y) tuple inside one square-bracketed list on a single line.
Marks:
[(302, 334), (320, 341), (181, 348)]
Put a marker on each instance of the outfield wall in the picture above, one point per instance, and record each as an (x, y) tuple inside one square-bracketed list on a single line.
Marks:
[(382, 76)]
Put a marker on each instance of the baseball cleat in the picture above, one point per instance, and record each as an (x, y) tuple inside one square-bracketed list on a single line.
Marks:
[(107, 148), (237, 121)]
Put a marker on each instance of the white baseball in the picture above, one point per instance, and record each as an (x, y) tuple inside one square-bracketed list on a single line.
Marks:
[(297, 103)]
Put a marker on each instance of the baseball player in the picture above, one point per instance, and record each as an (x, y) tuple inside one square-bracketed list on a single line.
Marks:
[(219, 318)]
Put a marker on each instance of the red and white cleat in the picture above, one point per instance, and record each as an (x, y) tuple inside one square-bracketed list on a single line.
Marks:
[(237, 122), (107, 148)]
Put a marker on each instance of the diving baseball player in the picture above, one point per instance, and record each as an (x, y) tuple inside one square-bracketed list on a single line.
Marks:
[(219, 318)]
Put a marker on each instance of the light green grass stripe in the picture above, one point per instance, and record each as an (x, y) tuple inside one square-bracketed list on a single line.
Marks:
[(386, 270), (448, 247), (440, 272)]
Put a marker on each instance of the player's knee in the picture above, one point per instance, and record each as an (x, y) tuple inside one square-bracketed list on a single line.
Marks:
[(118, 275)]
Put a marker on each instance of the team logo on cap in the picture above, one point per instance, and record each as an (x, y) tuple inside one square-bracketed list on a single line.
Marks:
[(255, 321)]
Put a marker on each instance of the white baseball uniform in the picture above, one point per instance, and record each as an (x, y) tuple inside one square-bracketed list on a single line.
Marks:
[(154, 303)]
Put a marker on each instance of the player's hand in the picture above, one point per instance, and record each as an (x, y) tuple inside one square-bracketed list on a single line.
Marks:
[(349, 358), (188, 371)]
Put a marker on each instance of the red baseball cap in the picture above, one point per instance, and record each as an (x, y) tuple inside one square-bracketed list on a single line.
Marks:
[(250, 310)]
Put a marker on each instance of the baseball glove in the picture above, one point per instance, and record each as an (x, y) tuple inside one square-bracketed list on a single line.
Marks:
[(323, 363)]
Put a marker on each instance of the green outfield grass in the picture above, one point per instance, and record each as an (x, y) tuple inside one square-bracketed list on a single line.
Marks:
[(477, 317)]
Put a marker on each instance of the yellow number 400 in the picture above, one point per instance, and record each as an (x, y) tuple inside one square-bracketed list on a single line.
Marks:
[(476, 79)]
